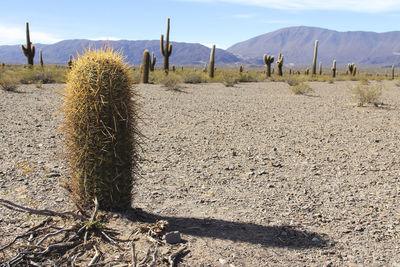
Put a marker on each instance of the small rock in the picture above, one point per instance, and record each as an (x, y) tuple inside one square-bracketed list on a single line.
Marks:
[(222, 261), (53, 175), (270, 185), (283, 233), (173, 237)]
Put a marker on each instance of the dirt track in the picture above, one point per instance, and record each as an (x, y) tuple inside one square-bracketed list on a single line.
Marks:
[(250, 175)]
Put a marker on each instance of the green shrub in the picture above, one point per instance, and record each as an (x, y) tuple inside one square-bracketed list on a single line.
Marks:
[(229, 79), (193, 77)]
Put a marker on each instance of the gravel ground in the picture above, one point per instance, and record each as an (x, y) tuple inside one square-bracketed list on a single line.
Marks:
[(251, 175)]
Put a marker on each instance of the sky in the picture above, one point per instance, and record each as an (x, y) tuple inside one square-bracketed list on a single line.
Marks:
[(219, 22)]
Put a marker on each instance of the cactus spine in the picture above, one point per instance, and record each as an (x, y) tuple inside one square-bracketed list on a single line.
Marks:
[(100, 126), (314, 63), (279, 64), (145, 69), (334, 69), (152, 62), (268, 61), (29, 49), (212, 63), (166, 49), (41, 58)]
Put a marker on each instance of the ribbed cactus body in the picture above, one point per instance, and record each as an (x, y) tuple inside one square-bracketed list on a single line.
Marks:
[(100, 126), (268, 60), (166, 48), (152, 62), (279, 64), (145, 69), (29, 49), (211, 63), (334, 69), (41, 58), (314, 63)]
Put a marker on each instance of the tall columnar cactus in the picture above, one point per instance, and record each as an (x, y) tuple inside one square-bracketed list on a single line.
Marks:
[(314, 63), (70, 61), (41, 58), (240, 68), (152, 62), (351, 69), (205, 68), (279, 64), (101, 130), (320, 68), (268, 61), (354, 71), (145, 68), (334, 69), (392, 72), (29, 49), (166, 49), (212, 63)]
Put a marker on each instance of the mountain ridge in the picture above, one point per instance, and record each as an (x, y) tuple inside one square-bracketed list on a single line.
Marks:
[(364, 48)]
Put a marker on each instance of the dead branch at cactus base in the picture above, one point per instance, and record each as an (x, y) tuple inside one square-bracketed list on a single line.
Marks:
[(69, 239)]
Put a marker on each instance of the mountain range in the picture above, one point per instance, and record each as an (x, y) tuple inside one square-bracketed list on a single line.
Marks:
[(295, 43)]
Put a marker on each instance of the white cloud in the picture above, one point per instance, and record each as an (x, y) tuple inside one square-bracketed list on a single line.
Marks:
[(16, 35), (368, 6), (243, 16)]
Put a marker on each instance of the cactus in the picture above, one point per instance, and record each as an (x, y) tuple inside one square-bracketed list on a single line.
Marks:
[(334, 69), (29, 49), (70, 61), (354, 71), (307, 72), (211, 67), (152, 62), (268, 61), (41, 58), (240, 68), (166, 49), (173, 68), (279, 64), (351, 69), (145, 67), (314, 63), (392, 72), (205, 68), (320, 68), (101, 133)]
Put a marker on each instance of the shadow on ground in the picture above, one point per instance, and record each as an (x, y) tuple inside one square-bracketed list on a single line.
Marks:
[(267, 236)]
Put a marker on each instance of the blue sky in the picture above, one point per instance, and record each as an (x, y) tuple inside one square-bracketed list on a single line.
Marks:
[(220, 22)]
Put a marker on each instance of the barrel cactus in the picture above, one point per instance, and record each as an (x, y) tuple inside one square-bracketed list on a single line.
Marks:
[(101, 133)]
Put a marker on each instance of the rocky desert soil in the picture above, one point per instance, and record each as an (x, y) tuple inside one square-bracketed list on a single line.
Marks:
[(250, 175)]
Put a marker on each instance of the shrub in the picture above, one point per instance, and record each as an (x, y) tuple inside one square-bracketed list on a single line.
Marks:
[(301, 89), (229, 79), (8, 83), (193, 77), (171, 81), (367, 94), (100, 126)]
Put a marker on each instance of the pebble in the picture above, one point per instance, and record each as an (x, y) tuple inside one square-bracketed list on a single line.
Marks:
[(222, 261), (173, 237), (316, 239)]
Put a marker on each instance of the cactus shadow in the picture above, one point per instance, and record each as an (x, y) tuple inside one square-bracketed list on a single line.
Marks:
[(266, 236)]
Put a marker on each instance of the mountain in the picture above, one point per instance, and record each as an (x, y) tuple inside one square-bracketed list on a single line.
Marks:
[(297, 46), (58, 53), (295, 43)]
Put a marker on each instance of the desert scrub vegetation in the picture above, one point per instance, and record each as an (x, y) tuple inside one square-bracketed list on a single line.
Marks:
[(8, 83), (301, 88), (35, 74), (366, 93), (172, 81)]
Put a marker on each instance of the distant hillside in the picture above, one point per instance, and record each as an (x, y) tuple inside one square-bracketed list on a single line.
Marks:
[(58, 53), (297, 45)]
